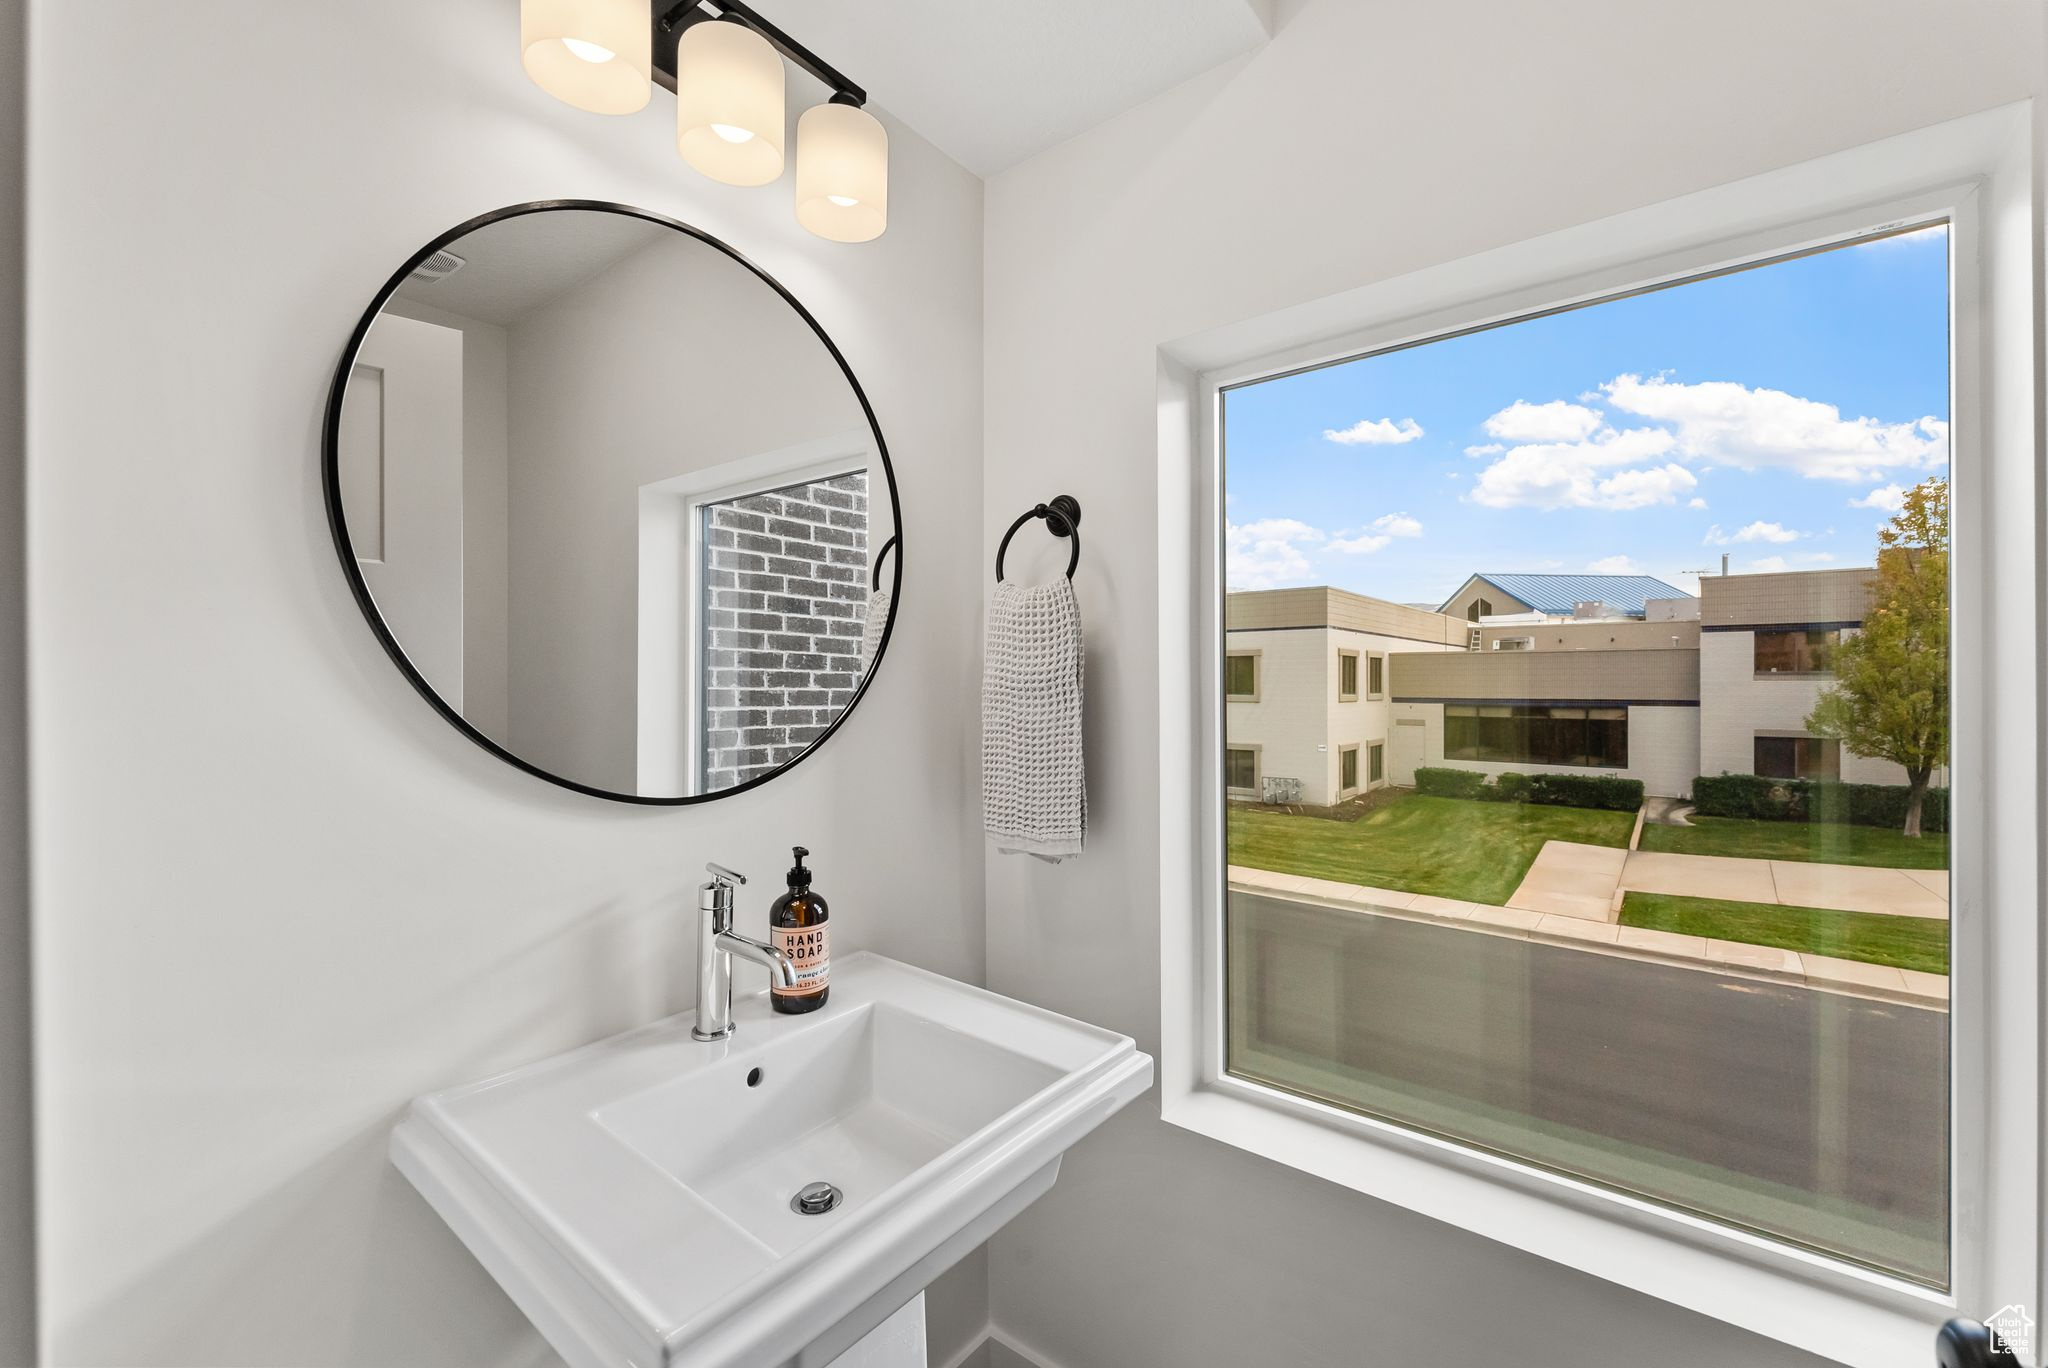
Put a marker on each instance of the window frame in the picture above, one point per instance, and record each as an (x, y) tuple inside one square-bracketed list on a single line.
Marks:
[(1345, 653), (1975, 172), (1376, 676), (1252, 654), (1354, 788)]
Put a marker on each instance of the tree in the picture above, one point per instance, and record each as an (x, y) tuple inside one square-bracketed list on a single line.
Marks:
[(1890, 696)]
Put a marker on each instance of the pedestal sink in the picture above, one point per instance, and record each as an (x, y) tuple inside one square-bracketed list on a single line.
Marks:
[(766, 1200)]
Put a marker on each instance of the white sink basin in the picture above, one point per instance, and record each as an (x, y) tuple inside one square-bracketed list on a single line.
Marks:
[(634, 1196)]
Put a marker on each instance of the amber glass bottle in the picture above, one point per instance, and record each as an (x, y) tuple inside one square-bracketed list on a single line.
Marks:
[(796, 927)]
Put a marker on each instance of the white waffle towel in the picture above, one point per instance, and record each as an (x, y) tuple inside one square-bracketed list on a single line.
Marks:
[(1034, 796), (871, 630)]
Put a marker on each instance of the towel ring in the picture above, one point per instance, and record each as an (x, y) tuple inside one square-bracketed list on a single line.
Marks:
[(1062, 518), (880, 556)]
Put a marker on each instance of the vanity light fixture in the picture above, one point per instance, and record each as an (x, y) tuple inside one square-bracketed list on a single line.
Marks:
[(723, 61), (842, 172), (593, 54), (729, 109)]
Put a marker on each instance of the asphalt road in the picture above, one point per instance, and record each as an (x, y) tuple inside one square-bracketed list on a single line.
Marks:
[(1780, 1089)]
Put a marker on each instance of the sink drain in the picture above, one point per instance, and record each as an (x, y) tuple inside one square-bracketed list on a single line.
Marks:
[(814, 1199)]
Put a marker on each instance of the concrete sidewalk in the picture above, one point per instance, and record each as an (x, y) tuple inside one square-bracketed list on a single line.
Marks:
[(1574, 880), (1567, 879), (1791, 883), (1735, 958)]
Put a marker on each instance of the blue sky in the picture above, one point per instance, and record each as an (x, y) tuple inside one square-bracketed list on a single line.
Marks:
[(1772, 414)]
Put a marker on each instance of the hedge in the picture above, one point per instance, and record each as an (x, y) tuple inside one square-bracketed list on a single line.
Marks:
[(1815, 800), (1450, 783), (1556, 790)]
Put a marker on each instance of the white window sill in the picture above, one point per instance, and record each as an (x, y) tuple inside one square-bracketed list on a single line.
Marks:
[(1839, 1312)]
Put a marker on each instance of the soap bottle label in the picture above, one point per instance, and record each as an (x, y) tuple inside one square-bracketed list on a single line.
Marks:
[(808, 947)]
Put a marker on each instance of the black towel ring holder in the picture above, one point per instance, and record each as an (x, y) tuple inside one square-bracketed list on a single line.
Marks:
[(1062, 518), (880, 556)]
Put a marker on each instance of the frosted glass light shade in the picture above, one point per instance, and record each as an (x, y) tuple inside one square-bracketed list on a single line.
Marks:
[(842, 173), (729, 111), (594, 54)]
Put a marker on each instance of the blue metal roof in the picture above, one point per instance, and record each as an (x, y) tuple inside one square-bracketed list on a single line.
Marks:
[(1561, 593)]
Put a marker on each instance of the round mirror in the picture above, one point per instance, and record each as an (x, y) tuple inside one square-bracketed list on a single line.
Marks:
[(613, 502)]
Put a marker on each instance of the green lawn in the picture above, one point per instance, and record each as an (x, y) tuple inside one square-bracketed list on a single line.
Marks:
[(1450, 847), (1819, 842), (1903, 942)]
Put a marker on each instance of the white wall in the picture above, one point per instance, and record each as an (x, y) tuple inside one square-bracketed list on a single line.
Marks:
[(1737, 703), (486, 494), (1298, 724), (1369, 139), (275, 895), (17, 1204)]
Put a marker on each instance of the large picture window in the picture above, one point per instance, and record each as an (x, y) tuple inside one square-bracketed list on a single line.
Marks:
[(1518, 734), (1796, 650), (1584, 922), (1798, 757)]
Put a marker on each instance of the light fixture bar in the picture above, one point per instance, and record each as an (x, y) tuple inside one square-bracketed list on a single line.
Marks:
[(669, 24)]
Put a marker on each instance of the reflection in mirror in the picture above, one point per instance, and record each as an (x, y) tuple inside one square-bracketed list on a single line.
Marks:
[(613, 498)]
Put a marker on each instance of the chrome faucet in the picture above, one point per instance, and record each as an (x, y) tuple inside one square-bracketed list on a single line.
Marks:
[(717, 943)]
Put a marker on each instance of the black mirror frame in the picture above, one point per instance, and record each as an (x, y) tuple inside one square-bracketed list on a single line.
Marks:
[(337, 523)]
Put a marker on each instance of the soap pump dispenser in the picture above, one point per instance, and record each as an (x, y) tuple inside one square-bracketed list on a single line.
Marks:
[(796, 926)]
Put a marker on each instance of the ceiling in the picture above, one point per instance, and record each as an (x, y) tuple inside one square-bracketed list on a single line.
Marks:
[(990, 82), (516, 265)]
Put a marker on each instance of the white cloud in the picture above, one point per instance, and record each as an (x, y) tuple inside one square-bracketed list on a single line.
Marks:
[(1768, 565), (1377, 535), (1556, 421), (1885, 498), (1485, 449), (1375, 432), (1359, 546), (1587, 474), (1726, 423), (1695, 503), (1267, 554), (1755, 532), (1614, 565)]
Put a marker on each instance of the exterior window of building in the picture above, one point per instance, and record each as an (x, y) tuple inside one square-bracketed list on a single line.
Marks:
[(1795, 1104), (1796, 650), (1524, 735), (1241, 677), (1798, 757), (1241, 770)]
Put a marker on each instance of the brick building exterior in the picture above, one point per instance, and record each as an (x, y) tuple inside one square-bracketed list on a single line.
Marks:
[(786, 594)]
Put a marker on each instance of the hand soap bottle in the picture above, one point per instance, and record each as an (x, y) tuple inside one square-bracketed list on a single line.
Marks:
[(796, 926)]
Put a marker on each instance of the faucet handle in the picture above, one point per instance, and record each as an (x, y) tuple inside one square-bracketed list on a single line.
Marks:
[(724, 875)]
